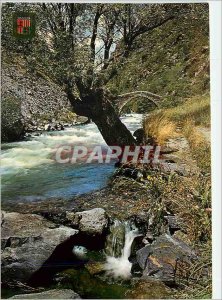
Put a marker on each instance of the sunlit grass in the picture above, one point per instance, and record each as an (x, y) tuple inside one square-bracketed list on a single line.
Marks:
[(184, 120), (188, 197)]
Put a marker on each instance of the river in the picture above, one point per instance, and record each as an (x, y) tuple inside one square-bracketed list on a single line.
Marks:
[(29, 173)]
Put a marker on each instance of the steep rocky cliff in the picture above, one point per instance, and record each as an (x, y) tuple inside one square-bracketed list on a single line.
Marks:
[(29, 101)]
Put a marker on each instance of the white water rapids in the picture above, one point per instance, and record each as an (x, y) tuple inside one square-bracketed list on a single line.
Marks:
[(29, 173)]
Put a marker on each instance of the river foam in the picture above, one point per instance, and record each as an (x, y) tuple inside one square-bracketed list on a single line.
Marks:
[(29, 171)]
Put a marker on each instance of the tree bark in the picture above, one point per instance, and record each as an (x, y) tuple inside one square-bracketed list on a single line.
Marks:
[(97, 106), (112, 129)]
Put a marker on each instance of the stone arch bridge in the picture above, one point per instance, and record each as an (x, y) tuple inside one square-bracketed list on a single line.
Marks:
[(123, 99)]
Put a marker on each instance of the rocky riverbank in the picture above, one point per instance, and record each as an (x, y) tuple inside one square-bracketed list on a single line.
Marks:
[(77, 243), (35, 251), (31, 102), (162, 256)]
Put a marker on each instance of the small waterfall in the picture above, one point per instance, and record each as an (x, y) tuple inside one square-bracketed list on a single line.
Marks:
[(116, 239), (120, 267)]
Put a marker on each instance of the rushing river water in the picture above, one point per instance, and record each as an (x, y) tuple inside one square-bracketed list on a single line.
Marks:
[(29, 173)]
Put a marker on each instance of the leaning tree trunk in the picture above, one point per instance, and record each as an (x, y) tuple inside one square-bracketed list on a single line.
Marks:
[(97, 106), (112, 129)]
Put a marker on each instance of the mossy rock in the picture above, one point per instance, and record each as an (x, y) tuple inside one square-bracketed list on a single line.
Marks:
[(95, 267), (148, 289), (11, 126)]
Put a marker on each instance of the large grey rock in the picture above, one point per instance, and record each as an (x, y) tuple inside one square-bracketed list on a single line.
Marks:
[(93, 222), (11, 124), (81, 120), (28, 100), (51, 294), (164, 258), (27, 241), (142, 256)]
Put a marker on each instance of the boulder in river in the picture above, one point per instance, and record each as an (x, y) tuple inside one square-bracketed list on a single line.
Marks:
[(164, 258), (139, 135), (92, 222), (50, 294), (28, 240)]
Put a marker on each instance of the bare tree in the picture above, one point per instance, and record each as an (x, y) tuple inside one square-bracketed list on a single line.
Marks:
[(83, 46)]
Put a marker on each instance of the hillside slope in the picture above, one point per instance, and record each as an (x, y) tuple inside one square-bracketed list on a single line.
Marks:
[(172, 61)]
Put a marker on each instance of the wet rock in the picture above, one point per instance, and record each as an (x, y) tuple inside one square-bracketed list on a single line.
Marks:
[(51, 294), (28, 240), (95, 268), (92, 222), (19, 286), (139, 135), (137, 244), (81, 120), (148, 238), (115, 239), (128, 172), (57, 218), (164, 257), (140, 220), (148, 289)]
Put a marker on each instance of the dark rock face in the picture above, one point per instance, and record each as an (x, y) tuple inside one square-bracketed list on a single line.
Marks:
[(164, 257), (28, 240), (11, 125), (51, 294), (27, 100)]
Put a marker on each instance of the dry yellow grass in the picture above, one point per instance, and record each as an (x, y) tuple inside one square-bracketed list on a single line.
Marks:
[(200, 148), (196, 109), (194, 112), (195, 138), (160, 127), (162, 124)]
